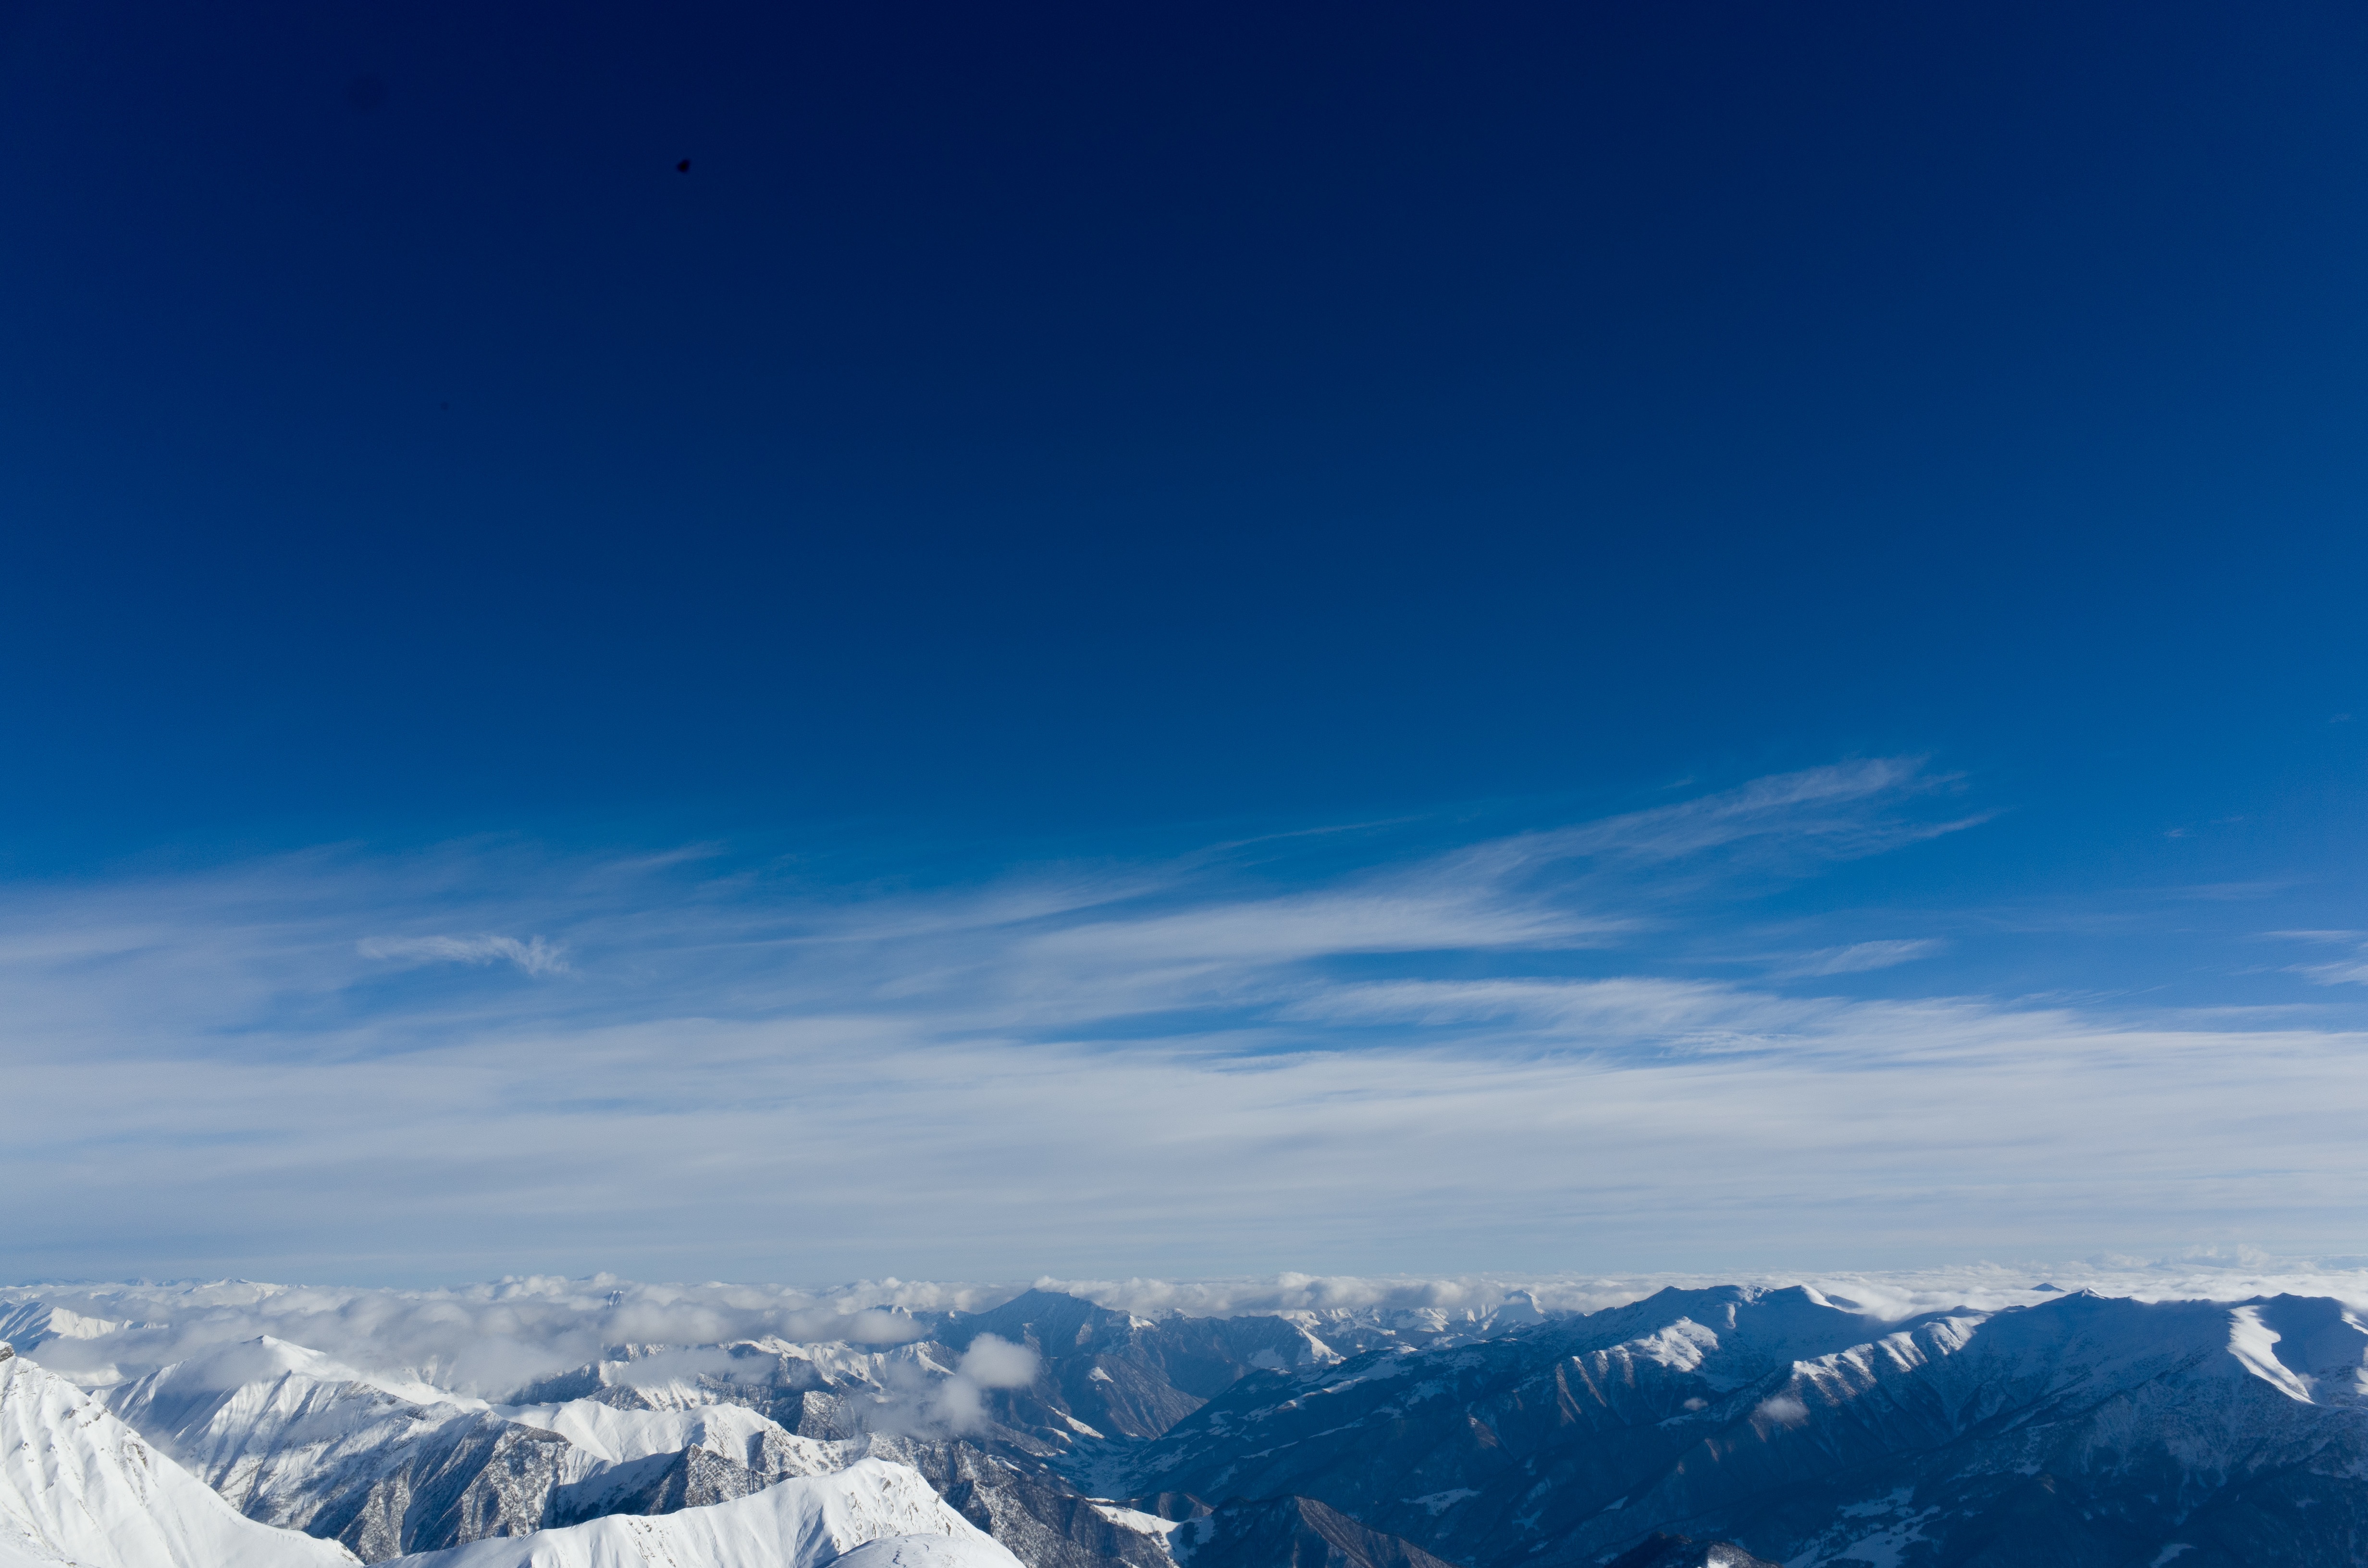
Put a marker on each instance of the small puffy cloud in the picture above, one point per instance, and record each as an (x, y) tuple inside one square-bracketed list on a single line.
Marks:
[(953, 1405), (993, 1363), (958, 1403), (534, 955), (1784, 1409)]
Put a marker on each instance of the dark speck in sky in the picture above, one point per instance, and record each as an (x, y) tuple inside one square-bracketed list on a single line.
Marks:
[(683, 167)]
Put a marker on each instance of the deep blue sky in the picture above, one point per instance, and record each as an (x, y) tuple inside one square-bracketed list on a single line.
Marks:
[(1033, 433), (1038, 417)]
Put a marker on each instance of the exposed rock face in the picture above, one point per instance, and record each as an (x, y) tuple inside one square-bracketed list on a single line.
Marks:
[(1291, 1532), (294, 1441), (1768, 1421), (1109, 1377), (1028, 1507), (2084, 1430), (474, 1479)]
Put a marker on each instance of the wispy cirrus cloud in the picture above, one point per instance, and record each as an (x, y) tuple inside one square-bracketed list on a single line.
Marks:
[(532, 954), (1486, 1053), (2349, 969), (1858, 957), (1842, 812), (2353, 970)]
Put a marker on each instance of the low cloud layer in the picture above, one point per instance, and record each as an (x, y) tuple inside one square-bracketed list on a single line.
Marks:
[(482, 1339), (486, 1340), (1527, 1050)]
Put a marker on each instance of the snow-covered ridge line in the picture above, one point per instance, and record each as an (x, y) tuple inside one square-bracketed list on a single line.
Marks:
[(1058, 1423), (78, 1486), (81, 1489), (490, 1339), (873, 1514)]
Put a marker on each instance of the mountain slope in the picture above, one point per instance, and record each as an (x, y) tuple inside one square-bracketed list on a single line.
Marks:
[(1658, 1550), (386, 1466), (1290, 1532), (2085, 1430), (78, 1486), (1480, 1451), (1123, 1377), (1025, 1505), (296, 1440), (389, 1464), (802, 1523)]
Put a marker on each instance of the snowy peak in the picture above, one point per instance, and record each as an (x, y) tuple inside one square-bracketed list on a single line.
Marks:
[(805, 1523), (608, 1434), (1693, 1412), (1778, 1422), (78, 1486), (2309, 1348), (266, 1361), (29, 1325), (305, 1443)]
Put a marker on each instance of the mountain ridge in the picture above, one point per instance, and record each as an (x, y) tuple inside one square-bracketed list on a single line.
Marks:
[(1775, 1420)]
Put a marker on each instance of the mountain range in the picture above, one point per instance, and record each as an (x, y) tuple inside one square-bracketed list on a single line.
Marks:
[(1737, 1424)]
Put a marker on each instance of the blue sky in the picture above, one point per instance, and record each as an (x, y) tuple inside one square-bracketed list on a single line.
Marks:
[(1181, 640)]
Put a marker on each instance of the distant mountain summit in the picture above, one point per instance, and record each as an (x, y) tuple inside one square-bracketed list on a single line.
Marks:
[(2083, 1430), (1726, 1427)]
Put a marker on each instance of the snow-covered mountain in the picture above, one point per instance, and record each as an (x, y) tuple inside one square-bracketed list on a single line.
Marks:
[(871, 1515), (2086, 1430), (389, 1466), (1733, 1424), (26, 1325), (78, 1486)]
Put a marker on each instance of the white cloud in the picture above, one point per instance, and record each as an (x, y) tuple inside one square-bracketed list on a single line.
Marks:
[(1197, 1067), (484, 1340), (994, 1363), (1843, 812), (2349, 969), (534, 955), (1858, 957)]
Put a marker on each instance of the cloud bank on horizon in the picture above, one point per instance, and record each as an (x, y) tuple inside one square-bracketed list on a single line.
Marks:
[(487, 1338), (1570, 1048)]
